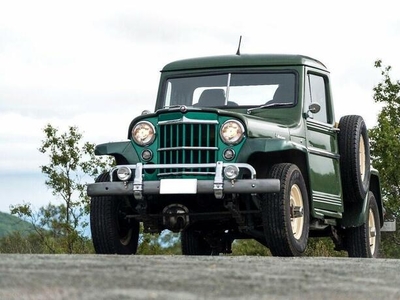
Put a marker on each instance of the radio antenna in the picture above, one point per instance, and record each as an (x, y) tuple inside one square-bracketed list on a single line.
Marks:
[(240, 42)]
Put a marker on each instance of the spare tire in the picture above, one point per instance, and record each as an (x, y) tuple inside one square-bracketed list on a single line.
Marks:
[(354, 158)]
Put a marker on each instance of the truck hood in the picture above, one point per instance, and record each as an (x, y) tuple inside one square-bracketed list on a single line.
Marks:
[(256, 127), (264, 128)]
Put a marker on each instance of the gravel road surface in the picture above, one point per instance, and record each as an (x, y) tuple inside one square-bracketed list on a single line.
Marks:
[(211, 277)]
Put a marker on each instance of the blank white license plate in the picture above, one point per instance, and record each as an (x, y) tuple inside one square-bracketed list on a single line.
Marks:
[(178, 186)]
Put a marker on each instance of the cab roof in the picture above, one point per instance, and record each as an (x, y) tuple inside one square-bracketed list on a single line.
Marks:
[(243, 60)]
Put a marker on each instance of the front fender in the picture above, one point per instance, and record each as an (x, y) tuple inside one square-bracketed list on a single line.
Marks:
[(123, 152), (252, 146)]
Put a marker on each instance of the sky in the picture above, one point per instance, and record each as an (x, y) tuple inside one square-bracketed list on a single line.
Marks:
[(95, 64)]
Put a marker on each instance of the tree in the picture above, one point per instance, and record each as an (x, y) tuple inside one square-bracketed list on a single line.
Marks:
[(71, 161), (385, 151)]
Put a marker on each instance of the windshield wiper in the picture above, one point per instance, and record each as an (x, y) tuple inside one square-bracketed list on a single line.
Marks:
[(249, 110)]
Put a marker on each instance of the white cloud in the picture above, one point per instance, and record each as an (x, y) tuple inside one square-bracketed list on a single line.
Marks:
[(20, 138)]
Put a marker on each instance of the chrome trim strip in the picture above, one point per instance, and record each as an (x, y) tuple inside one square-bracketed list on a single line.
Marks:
[(185, 120), (187, 148), (184, 173), (324, 153), (190, 166), (327, 198), (316, 125)]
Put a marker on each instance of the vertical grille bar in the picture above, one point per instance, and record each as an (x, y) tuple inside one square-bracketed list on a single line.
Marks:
[(199, 142), (191, 141), (178, 153), (188, 143)]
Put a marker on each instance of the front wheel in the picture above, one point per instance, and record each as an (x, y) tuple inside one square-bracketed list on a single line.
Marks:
[(364, 241), (286, 214), (112, 232)]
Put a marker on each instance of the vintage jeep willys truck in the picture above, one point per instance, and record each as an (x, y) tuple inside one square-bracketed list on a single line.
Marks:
[(241, 147)]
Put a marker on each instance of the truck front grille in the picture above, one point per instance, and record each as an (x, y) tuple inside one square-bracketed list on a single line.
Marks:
[(187, 142)]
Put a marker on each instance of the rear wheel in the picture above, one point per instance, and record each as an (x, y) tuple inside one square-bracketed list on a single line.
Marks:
[(112, 232), (364, 241), (286, 214), (193, 243)]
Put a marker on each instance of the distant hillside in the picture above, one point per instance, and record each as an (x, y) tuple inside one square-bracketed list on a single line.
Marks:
[(10, 223)]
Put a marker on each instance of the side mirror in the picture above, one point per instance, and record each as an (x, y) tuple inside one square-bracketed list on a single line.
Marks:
[(314, 108)]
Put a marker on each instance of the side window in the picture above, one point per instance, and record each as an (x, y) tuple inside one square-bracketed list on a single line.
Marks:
[(318, 95)]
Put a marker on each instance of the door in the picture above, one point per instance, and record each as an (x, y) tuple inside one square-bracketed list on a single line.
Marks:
[(325, 182)]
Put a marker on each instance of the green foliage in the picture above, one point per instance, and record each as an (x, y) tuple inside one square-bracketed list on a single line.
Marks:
[(323, 247), (385, 151), (10, 224), (60, 228), (16, 242), (70, 161), (249, 247), (43, 242), (316, 247), (166, 243)]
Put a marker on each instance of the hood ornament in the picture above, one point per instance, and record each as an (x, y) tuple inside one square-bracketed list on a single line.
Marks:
[(183, 108)]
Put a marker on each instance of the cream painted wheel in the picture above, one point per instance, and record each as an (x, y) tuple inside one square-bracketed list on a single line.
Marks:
[(364, 240), (286, 214), (296, 211), (372, 232), (362, 158)]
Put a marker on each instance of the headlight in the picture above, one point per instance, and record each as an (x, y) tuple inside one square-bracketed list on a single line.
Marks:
[(143, 133), (232, 132)]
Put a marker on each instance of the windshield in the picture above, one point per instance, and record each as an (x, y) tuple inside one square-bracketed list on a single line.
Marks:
[(231, 90)]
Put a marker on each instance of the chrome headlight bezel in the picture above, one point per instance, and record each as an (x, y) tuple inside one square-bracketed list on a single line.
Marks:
[(146, 139), (228, 134), (231, 172), (124, 173)]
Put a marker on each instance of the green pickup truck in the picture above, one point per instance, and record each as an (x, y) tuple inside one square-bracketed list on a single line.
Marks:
[(241, 147)]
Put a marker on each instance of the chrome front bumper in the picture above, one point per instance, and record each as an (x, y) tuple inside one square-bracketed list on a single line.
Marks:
[(219, 186)]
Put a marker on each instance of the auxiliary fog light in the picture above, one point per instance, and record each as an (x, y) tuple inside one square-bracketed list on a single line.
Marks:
[(231, 172), (147, 155), (229, 154), (124, 173)]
